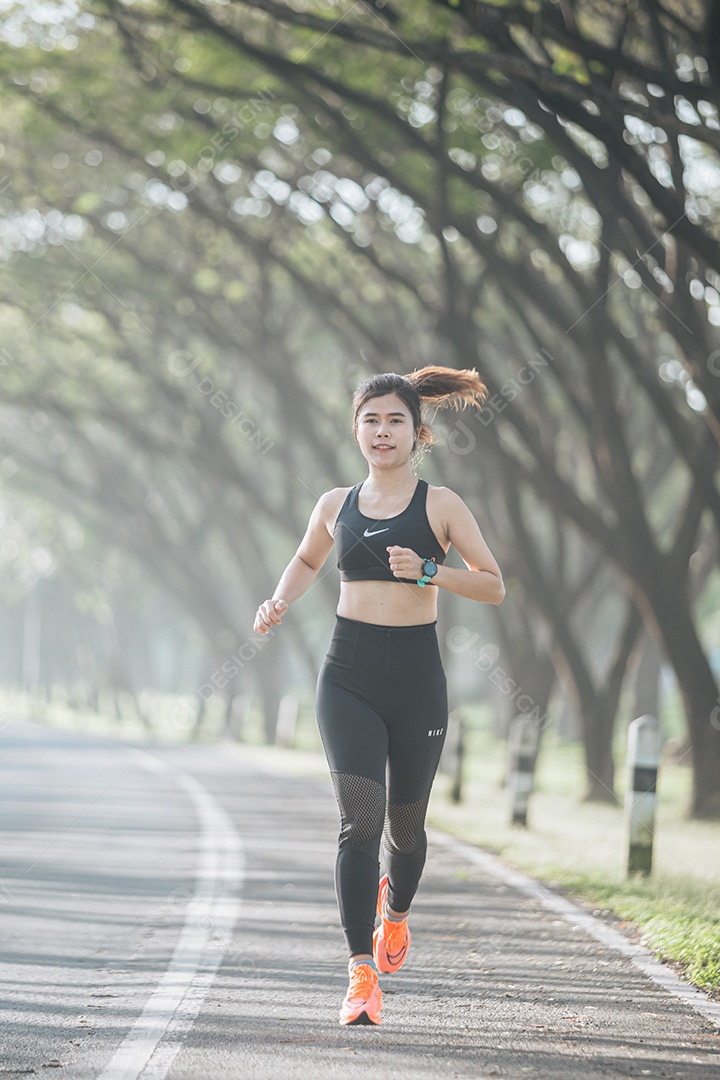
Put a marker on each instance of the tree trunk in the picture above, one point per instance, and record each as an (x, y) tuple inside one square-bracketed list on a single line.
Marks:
[(646, 688), (673, 625), (599, 722), (270, 688)]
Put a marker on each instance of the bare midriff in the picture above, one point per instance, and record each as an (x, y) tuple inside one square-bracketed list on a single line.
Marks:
[(388, 603)]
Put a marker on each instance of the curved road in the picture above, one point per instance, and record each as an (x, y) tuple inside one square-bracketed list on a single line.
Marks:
[(170, 912)]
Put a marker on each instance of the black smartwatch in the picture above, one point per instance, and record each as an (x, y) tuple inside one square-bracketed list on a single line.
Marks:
[(429, 569)]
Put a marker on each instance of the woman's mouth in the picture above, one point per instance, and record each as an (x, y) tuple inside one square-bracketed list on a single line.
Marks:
[(383, 446)]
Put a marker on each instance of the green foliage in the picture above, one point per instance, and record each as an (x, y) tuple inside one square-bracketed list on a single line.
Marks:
[(580, 849), (569, 63), (349, 229), (680, 920)]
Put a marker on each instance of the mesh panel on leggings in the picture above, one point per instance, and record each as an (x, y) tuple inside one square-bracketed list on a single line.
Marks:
[(362, 810), (403, 832)]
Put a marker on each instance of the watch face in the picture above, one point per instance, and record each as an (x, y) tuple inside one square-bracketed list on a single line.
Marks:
[(429, 568)]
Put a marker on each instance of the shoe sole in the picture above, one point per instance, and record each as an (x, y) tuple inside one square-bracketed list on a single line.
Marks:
[(383, 881), (362, 1019)]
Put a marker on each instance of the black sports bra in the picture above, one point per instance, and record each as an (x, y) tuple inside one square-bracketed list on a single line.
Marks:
[(362, 541)]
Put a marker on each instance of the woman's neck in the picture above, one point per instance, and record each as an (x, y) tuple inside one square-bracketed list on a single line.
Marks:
[(390, 481)]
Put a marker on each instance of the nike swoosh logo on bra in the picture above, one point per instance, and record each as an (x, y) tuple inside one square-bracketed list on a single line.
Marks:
[(366, 533)]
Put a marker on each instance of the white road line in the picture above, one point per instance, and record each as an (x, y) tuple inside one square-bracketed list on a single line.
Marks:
[(203, 942), (640, 956)]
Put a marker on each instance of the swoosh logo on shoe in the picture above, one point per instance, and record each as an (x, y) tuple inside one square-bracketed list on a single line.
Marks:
[(366, 533), (394, 957)]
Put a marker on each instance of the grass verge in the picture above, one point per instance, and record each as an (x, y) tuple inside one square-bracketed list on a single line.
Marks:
[(580, 849)]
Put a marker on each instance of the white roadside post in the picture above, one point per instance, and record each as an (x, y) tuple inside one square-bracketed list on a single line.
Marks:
[(240, 709), (523, 751), (643, 758), (288, 710)]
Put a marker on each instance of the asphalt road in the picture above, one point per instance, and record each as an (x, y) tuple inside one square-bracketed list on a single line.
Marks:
[(170, 912)]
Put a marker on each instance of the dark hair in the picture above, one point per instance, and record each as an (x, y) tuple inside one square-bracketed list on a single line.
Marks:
[(444, 386)]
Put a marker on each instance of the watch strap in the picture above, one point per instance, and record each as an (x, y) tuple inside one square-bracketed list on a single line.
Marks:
[(426, 578)]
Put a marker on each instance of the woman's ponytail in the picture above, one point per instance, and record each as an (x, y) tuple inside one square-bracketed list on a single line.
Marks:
[(449, 387)]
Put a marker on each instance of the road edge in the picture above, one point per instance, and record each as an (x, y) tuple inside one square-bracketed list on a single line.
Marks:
[(641, 957)]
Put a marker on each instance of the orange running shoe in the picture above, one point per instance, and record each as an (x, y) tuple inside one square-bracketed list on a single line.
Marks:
[(363, 1000), (391, 940)]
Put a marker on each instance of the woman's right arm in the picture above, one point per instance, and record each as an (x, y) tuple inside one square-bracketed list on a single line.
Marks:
[(298, 575)]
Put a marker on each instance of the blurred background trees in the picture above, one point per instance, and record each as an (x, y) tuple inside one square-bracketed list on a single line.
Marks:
[(217, 218)]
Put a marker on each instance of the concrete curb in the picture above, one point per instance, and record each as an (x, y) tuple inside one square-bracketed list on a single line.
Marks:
[(640, 956)]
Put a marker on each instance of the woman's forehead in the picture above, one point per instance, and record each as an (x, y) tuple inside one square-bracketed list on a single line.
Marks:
[(387, 404)]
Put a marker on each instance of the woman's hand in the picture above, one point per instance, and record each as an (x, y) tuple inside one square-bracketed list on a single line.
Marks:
[(268, 615), (404, 563)]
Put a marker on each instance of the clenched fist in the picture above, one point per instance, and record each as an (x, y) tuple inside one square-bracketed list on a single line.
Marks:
[(268, 615)]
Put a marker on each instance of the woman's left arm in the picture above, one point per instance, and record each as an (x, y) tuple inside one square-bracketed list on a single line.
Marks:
[(482, 581)]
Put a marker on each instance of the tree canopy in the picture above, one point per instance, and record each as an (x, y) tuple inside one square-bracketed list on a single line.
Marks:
[(217, 217)]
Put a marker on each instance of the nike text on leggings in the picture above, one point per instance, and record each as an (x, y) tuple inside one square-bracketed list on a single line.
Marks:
[(382, 711)]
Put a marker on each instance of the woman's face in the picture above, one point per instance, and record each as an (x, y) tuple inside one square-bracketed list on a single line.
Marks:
[(385, 422)]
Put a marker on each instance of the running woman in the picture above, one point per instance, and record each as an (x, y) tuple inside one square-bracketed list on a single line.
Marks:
[(381, 693)]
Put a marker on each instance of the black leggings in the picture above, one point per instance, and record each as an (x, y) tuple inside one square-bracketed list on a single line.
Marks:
[(381, 701)]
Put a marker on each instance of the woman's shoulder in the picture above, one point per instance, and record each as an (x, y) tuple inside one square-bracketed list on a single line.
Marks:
[(445, 506), (443, 496), (332, 502), (338, 495)]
